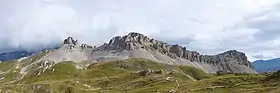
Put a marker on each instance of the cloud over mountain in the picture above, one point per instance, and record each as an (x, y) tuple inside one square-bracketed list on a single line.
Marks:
[(207, 26)]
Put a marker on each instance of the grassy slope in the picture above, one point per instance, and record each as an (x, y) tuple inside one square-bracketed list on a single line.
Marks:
[(122, 76)]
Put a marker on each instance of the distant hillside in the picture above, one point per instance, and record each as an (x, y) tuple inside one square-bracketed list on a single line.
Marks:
[(14, 55), (17, 54), (267, 65)]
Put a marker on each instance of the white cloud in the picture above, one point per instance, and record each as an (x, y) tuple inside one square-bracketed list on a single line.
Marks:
[(209, 26)]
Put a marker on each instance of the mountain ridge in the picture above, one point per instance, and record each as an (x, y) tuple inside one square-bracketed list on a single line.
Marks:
[(136, 45), (14, 55), (128, 59), (270, 65), (20, 53)]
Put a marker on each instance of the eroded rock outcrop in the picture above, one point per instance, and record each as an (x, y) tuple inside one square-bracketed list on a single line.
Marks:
[(139, 45), (70, 40)]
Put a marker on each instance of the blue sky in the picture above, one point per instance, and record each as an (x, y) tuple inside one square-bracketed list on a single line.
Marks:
[(207, 26)]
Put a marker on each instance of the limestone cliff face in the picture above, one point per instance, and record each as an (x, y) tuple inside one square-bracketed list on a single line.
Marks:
[(145, 47), (135, 45)]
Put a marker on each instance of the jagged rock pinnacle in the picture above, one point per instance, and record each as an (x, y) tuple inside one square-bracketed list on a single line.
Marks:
[(70, 40), (72, 43), (129, 42)]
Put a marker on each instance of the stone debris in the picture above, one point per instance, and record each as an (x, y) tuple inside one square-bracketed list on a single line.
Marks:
[(88, 86), (145, 72), (2, 78)]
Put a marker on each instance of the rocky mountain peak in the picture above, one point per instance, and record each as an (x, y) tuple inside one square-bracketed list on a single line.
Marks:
[(139, 41), (135, 34), (70, 40), (234, 53), (238, 56), (134, 41), (72, 43), (129, 42)]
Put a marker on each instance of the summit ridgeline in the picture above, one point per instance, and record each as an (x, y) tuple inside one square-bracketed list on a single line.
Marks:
[(136, 45)]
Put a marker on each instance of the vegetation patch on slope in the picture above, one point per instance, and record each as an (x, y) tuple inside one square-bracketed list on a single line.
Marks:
[(138, 76)]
